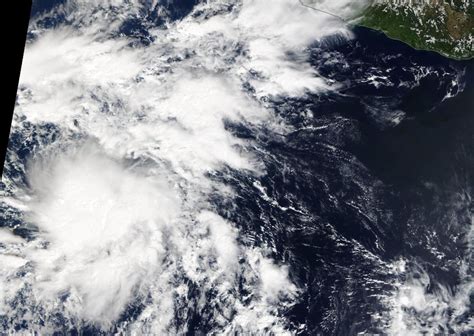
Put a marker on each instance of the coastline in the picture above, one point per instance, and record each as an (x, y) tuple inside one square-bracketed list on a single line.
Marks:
[(454, 58), (387, 34)]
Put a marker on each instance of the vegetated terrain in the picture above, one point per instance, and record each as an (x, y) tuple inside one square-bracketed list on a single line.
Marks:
[(436, 25)]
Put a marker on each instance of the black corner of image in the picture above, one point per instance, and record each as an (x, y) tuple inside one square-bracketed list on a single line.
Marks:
[(15, 27)]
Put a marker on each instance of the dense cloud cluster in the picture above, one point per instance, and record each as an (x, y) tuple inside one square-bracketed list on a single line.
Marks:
[(120, 129), (119, 199)]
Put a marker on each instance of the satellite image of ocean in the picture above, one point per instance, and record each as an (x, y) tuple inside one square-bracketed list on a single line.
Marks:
[(235, 167)]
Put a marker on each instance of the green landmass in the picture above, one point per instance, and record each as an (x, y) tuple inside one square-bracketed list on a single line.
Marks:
[(446, 27)]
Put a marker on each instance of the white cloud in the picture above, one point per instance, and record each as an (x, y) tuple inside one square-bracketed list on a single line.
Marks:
[(103, 225), (124, 215), (421, 306), (345, 9)]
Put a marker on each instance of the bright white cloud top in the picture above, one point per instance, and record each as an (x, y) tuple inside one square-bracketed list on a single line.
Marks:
[(130, 137), (120, 198)]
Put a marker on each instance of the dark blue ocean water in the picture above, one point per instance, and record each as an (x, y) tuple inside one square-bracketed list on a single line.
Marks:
[(365, 177), (352, 182)]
